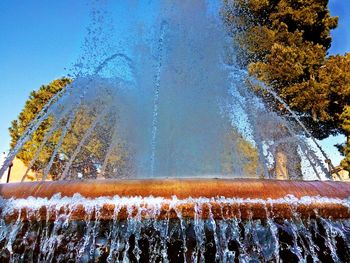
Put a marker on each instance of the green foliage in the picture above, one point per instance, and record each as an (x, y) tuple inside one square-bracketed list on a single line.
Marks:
[(36, 101), (345, 118), (244, 153), (284, 43), (90, 157)]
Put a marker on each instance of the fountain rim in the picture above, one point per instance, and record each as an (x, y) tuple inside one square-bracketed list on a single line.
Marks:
[(252, 194), (180, 187)]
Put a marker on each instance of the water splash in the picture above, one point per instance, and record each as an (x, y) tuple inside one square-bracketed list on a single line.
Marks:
[(148, 229), (153, 96)]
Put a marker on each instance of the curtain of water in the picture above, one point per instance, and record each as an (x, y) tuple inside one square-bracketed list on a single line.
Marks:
[(162, 230)]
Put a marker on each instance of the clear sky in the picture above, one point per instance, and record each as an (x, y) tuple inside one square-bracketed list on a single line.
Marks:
[(39, 39)]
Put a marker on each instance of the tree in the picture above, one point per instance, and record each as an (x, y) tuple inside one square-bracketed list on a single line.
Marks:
[(33, 106), (61, 138), (240, 157), (345, 148), (284, 44)]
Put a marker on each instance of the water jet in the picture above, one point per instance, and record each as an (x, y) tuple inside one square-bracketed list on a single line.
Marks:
[(168, 105)]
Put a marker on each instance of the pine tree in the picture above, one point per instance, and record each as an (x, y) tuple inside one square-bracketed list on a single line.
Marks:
[(284, 43), (33, 106), (91, 156)]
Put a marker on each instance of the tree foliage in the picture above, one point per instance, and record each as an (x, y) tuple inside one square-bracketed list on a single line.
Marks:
[(63, 138), (240, 157), (284, 44), (33, 106), (345, 148)]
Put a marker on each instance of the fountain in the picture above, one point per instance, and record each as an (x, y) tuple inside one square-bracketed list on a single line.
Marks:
[(156, 153)]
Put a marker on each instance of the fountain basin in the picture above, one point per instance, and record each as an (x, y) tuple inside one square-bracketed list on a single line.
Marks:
[(175, 220), (219, 198)]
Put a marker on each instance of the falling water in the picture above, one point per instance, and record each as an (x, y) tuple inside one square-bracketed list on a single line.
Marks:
[(151, 229), (152, 95)]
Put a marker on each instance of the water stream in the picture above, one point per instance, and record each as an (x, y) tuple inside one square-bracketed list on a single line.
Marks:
[(153, 96), (151, 229)]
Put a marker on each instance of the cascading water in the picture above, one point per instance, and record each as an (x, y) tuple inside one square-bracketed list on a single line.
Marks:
[(154, 96), (152, 229)]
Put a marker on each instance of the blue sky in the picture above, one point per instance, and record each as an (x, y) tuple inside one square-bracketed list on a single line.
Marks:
[(39, 39)]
